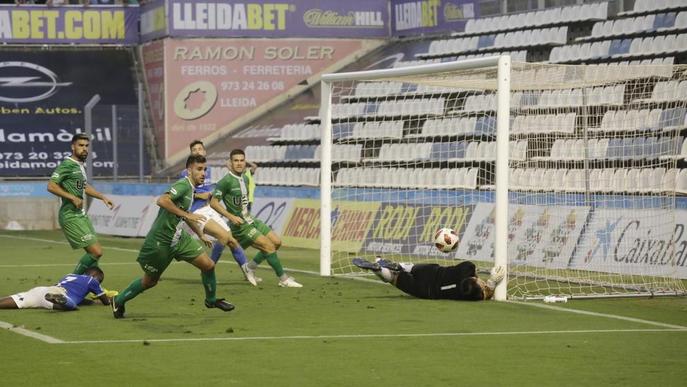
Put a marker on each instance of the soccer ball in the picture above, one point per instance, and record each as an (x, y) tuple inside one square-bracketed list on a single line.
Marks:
[(446, 240)]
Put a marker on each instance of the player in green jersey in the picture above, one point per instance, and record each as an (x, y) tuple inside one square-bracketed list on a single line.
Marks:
[(167, 240), (232, 189), (68, 182)]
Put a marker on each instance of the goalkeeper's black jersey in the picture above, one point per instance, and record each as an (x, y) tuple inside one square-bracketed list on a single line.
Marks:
[(439, 282)]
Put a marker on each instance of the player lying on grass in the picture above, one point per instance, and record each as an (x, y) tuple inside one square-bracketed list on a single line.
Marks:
[(65, 295), (232, 190), (167, 240), (432, 281), (214, 225)]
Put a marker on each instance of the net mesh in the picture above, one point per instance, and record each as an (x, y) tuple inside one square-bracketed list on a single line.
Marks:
[(593, 157)]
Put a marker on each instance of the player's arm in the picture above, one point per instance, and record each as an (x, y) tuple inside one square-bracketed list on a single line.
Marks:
[(215, 205), (496, 275), (57, 190), (90, 191), (199, 231), (252, 166), (165, 201)]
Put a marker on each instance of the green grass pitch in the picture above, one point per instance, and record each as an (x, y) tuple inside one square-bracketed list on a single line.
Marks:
[(332, 332)]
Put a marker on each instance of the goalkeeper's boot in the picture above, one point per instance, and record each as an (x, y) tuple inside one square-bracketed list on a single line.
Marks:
[(391, 265), (363, 264), (289, 282), (221, 304), (117, 309)]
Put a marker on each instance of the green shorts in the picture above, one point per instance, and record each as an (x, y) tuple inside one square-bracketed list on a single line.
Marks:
[(154, 257), (78, 230), (247, 233)]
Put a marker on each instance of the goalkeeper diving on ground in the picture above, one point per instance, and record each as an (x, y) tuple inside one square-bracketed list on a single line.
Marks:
[(432, 281)]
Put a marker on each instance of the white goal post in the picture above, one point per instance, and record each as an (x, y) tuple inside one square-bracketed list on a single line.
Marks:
[(566, 175)]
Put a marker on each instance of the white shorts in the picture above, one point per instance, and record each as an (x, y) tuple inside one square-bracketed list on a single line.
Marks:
[(35, 298), (208, 213)]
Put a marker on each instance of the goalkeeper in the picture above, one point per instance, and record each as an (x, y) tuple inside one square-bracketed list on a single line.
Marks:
[(432, 281)]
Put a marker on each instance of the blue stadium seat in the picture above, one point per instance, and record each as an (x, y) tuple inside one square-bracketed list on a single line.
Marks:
[(615, 149), (371, 108), (447, 151), (615, 47), (342, 130), (637, 148), (486, 41), (485, 125), (666, 146), (650, 150), (408, 88), (672, 118), (439, 151), (664, 20)]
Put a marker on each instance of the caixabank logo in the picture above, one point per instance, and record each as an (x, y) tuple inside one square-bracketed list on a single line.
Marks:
[(25, 82)]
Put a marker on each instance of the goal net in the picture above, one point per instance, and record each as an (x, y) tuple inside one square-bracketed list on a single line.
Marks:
[(577, 192)]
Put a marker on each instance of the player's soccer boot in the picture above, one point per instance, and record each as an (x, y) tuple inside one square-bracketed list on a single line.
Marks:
[(56, 298), (363, 264), (249, 274), (117, 310), (290, 283), (220, 303), (393, 266)]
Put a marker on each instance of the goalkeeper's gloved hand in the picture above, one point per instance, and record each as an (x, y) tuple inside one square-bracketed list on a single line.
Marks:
[(497, 274)]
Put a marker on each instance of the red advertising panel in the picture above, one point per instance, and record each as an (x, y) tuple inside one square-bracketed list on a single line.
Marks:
[(218, 84)]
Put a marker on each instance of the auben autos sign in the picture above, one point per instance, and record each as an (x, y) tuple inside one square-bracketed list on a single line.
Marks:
[(42, 94)]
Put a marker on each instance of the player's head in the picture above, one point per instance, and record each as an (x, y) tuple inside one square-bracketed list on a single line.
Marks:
[(96, 273), (237, 161), (80, 144), (197, 148), (195, 164), (472, 288)]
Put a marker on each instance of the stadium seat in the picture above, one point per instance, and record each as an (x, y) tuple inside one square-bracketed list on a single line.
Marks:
[(606, 180), (669, 180), (681, 182), (558, 181), (632, 180), (471, 178), (618, 182)]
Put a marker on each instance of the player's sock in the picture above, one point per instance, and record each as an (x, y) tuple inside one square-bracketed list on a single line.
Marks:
[(86, 261), (252, 265), (134, 289), (217, 249), (273, 260), (259, 257), (239, 255), (210, 285)]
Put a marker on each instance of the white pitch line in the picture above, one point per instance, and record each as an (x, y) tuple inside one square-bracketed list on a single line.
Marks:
[(31, 334), (372, 336), (596, 314)]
